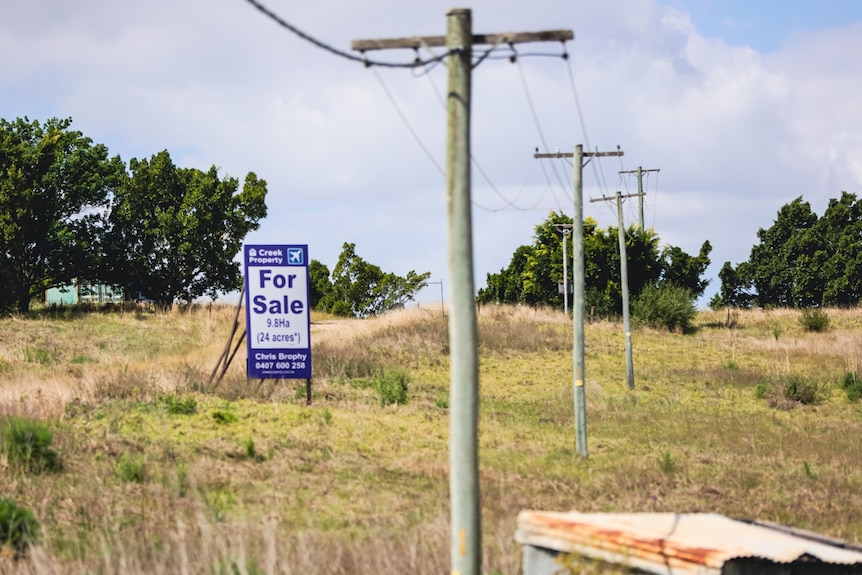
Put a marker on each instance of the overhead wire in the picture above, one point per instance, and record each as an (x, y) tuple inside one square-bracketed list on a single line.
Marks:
[(426, 67), (655, 200), (436, 164), (347, 55), (514, 60), (510, 203), (598, 173), (407, 123)]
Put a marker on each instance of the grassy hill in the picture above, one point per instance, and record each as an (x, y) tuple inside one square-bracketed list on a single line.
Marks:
[(156, 470)]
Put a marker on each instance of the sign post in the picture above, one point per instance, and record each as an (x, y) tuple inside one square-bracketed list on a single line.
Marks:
[(278, 322)]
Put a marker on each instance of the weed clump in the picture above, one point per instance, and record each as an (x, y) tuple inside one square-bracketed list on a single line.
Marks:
[(27, 444), (814, 320), (763, 389), (791, 392), (666, 462), (392, 387), (131, 469), (224, 416), (250, 448), (179, 405), (851, 383), (18, 528), (801, 390)]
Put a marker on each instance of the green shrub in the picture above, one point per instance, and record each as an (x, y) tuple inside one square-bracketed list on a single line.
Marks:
[(763, 389), (81, 358), (131, 469), (28, 445), (250, 449), (18, 528), (791, 392), (179, 405), (224, 416), (392, 387), (666, 462), (851, 383), (38, 355), (801, 390), (814, 319), (667, 306)]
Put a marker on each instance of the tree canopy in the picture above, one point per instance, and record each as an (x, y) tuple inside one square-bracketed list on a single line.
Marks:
[(801, 261), (68, 210), (359, 288), (174, 232), (535, 270), (54, 187)]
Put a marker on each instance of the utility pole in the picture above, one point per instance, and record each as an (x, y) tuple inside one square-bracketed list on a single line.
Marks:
[(465, 511), (578, 299), (565, 230), (624, 282), (442, 306), (640, 172)]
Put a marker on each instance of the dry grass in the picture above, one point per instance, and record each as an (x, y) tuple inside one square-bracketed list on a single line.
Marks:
[(251, 480)]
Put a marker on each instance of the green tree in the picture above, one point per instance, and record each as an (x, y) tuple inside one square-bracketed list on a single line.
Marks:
[(54, 188), (734, 291), (543, 269), (505, 286), (174, 232), (362, 289), (686, 271), (319, 284), (776, 258), (535, 270), (840, 259), (801, 261)]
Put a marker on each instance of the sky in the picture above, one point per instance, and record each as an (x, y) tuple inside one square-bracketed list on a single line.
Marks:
[(743, 106)]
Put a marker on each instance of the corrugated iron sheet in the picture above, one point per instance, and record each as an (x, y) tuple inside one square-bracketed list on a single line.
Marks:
[(676, 543)]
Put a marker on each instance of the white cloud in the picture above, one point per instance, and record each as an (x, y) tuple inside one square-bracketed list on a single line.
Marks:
[(736, 133)]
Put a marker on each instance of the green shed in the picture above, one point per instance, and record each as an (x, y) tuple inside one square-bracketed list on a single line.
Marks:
[(82, 292)]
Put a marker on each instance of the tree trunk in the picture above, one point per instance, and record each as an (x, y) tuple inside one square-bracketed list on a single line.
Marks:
[(23, 297)]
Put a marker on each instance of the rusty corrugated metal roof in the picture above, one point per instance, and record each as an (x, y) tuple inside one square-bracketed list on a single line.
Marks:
[(675, 543)]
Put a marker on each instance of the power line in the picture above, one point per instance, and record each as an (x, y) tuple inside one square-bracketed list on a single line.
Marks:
[(428, 65), (510, 203), (536, 120), (332, 50), (507, 40), (407, 123), (598, 172)]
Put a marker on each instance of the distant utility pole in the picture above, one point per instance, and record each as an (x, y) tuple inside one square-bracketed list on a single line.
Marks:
[(579, 280), (640, 172), (442, 306), (465, 509), (624, 281), (566, 229)]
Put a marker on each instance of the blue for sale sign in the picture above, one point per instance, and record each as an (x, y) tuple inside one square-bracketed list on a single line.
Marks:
[(278, 321)]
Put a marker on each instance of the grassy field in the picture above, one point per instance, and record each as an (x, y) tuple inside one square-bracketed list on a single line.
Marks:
[(159, 471)]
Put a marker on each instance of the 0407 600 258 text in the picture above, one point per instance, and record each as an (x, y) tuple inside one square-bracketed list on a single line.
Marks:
[(267, 365)]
